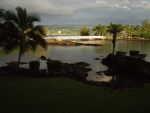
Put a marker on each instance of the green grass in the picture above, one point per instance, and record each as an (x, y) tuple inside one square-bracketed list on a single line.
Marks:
[(63, 95)]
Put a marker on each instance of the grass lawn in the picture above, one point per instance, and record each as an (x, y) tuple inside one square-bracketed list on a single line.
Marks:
[(63, 95)]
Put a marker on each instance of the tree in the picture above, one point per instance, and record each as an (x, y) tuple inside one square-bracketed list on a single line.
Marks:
[(127, 30), (146, 27), (137, 30), (1, 13), (84, 31), (110, 24), (16, 31), (99, 30), (114, 29), (1, 25)]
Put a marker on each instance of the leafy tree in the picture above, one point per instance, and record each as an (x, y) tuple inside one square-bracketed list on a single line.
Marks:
[(15, 31), (132, 30), (114, 29), (127, 30), (146, 27), (84, 31), (137, 30)]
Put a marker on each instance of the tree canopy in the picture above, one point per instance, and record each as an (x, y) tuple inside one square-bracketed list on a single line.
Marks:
[(15, 32), (114, 29)]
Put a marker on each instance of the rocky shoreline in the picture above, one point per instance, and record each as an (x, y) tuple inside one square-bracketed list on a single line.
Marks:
[(73, 43), (122, 78), (70, 43), (64, 43), (127, 71)]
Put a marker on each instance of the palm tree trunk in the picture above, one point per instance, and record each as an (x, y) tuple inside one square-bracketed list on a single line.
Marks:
[(114, 43), (17, 67), (113, 49)]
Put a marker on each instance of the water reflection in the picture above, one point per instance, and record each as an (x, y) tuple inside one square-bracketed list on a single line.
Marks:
[(72, 54)]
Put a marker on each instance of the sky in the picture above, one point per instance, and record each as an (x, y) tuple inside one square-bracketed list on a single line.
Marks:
[(84, 12)]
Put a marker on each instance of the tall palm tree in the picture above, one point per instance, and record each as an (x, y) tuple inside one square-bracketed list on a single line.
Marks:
[(19, 31), (1, 25), (114, 29), (1, 12)]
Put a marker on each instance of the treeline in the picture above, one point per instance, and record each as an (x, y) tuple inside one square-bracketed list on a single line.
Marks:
[(66, 30), (128, 31)]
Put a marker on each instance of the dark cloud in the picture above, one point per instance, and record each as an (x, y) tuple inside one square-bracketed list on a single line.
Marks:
[(84, 12)]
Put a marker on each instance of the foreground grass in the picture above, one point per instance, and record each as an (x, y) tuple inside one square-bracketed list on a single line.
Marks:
[(63, 95)]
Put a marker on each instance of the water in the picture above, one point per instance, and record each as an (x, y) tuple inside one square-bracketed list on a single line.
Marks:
[(72, 54)]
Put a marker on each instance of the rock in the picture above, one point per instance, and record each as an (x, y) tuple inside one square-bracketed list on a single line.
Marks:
[(43, 58), (71, 71), (64, 72), (48, 59), (82, 64), (23, 71), (80, 73), (88, 69), (99, 72), (96, 59)]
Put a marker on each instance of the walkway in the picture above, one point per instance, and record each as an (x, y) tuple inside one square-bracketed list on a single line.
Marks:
[(60, 38)]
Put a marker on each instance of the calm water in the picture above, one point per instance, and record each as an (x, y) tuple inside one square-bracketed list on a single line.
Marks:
[(71, 54)]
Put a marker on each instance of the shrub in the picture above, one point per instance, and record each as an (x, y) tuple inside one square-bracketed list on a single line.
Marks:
[(54, 66), (84, 31), (134, 53), (120, 53), (34, 65)]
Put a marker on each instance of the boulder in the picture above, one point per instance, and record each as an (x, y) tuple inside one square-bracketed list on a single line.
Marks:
[(64, 72), (43, 58)]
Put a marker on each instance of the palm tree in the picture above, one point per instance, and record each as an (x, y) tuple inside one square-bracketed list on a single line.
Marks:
[(1, 13), (146, 27), (99, 29), (1, 25), (114, 29), (137, 29), (19, 32)]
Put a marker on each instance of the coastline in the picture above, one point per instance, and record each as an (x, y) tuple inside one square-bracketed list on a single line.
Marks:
[(53, 41)]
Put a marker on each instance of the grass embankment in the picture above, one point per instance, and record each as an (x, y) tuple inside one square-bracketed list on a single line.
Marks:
[(63, 95)]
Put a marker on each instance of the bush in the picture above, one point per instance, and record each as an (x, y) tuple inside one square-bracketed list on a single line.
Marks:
[(134, 53), (54, 66), (34, 65), (120, 53), (84, 31)]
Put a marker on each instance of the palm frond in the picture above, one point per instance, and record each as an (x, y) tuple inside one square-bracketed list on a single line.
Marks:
[(36, 34), (38, 39), (11, 45), (32, 44), (1, 12)]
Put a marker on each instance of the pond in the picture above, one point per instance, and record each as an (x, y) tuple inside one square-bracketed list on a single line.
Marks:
[(72, 54)]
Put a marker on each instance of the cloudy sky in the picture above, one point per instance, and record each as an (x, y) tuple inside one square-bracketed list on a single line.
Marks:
[(84, 12)]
